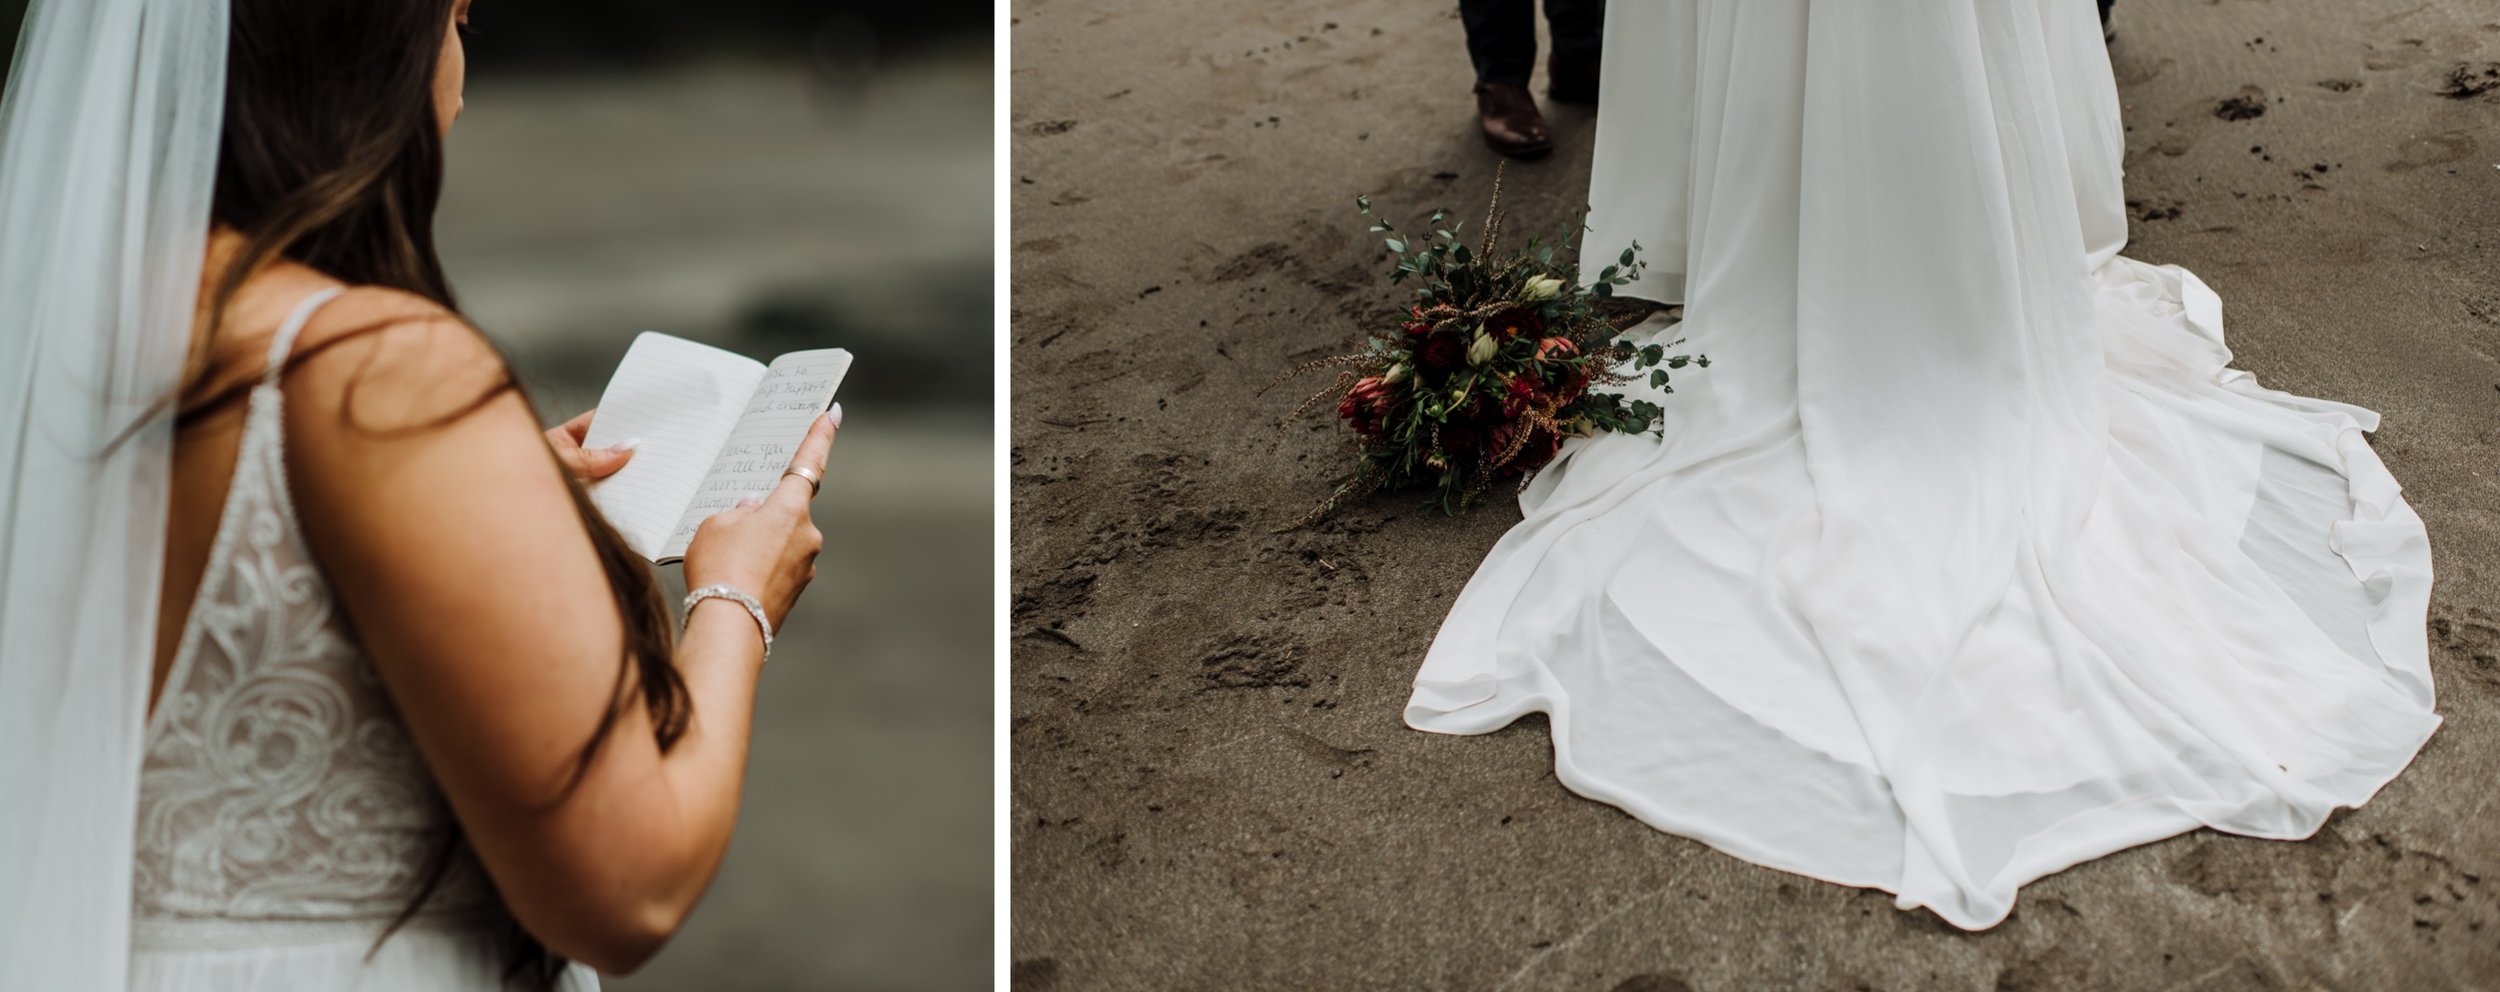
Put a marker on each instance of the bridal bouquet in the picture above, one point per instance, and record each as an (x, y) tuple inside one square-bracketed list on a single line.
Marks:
[(1500, 358)]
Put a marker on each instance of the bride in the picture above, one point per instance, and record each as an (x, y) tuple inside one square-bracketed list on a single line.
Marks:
[(317, 668), (1969, 558)]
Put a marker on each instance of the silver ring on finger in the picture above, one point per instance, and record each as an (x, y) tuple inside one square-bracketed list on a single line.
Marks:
[(815, 479)]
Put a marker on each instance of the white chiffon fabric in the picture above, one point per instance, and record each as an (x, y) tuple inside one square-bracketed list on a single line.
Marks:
[(1968, 559), (285, 817), (108, 150), (425, 956)]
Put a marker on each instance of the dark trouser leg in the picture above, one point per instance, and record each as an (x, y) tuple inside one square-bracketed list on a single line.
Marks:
[(1501, 39), (1577, 28)]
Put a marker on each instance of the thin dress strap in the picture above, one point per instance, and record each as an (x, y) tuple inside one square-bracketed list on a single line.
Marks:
[(283, 343)]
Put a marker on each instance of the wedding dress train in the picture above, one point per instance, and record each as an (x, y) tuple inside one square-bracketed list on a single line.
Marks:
[(1967, 559)]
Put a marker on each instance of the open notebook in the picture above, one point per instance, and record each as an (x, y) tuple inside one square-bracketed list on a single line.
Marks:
[(715, 427)]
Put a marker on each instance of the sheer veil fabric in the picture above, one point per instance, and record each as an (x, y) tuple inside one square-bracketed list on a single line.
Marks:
[(1968, 559), (108, 155)]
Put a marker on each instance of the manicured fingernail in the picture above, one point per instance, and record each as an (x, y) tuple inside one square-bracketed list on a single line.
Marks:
[(834, 416), (628, 444)]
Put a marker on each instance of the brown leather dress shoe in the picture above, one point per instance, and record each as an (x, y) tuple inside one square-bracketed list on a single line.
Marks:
[(1512, 125), (1571, 80)]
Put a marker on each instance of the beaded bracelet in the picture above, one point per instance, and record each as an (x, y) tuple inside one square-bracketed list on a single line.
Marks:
[(735, 595)]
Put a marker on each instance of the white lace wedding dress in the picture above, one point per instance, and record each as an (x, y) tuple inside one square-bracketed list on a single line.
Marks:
[(1967, 559), (285, 818)]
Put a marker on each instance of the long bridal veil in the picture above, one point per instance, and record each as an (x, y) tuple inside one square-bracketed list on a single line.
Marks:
[(1967, 559), (108, 157)]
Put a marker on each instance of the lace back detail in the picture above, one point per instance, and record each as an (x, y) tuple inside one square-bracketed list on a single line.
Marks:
[(278, 781)]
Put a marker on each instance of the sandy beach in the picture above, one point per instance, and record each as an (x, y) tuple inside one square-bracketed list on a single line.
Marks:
[(1211, 784)]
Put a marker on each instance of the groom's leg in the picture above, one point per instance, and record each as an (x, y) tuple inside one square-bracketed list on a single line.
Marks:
[(1501, 39), (1577, 28)]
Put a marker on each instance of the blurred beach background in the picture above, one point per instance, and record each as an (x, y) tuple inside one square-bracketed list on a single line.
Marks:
[(767, 176)]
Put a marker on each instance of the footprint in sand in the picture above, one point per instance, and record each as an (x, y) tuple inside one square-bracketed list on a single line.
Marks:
[(2396, 56), (1042, 609), (2437, 149), (1253, 661), (2484, 308), (2248, 104), (2469, 80), (2469, 637), (2130, 72)]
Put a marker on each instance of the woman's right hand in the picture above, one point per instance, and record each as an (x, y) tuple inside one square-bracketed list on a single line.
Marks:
[(767, 549)]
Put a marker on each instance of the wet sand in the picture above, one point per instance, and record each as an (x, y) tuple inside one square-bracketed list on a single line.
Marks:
[(1211, 786)]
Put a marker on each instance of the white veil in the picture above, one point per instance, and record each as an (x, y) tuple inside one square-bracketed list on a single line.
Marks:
[(108, 158)]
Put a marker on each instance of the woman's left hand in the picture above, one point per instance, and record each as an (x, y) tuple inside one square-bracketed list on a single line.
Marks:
[(587, 464)]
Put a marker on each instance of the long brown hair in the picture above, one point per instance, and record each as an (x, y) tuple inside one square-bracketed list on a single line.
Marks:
[(332, 157)]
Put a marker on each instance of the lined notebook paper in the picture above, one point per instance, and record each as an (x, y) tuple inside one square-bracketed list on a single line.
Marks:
[(715, 427)]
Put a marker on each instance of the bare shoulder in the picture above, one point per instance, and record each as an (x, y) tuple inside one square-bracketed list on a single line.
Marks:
[(390, 360), (398, 409)]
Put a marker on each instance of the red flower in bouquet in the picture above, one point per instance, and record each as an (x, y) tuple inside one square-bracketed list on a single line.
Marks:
[(1441, 354), (1386, 401), (1515, 322), (1368, 405), (1417, 327), (1519, 396)]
